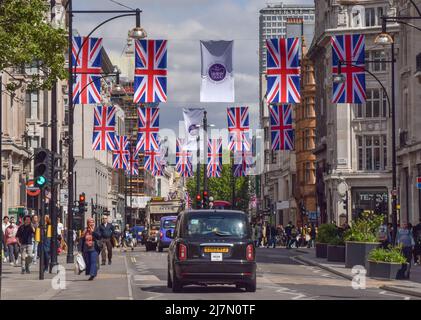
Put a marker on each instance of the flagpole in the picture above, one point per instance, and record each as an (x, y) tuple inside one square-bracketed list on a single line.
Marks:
[(198, 170), (205, 142), (232, 182)]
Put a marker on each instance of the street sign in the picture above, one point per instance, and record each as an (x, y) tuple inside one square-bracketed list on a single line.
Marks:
[(418, 182), (64, 197), (31, 189)]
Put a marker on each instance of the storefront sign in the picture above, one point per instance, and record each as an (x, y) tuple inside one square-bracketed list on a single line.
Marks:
[(418, 182)]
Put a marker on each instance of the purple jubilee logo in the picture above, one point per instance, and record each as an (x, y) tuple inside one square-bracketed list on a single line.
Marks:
[(217, 72)]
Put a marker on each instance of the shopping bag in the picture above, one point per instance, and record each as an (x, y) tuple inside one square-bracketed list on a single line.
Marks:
[(80, 263)]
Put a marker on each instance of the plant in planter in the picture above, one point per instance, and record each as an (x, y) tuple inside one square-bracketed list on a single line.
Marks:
[(387, 263), (325, 234), (336, 248), (361, 238)]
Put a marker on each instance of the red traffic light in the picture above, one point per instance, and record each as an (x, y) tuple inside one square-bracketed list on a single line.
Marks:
[(205, 193), (82, 197), (198, 197)]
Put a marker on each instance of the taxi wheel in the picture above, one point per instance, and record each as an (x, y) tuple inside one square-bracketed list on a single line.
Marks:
[(251, 287), (176, 284), (160, 249)]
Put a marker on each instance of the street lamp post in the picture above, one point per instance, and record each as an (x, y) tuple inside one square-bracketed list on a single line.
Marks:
[(384, 38), (391, 103), (136, 33)]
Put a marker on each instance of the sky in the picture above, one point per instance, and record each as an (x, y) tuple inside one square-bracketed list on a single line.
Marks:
[(184, 23)]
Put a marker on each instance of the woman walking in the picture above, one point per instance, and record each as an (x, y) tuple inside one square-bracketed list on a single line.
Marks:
[(12, 242), (47, 241), (89, 246)]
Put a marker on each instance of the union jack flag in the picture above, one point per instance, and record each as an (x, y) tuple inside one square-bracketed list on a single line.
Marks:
[(152, 162), (88, 67), (283, 70), (133, 164), (214, 167), (104, 128), (148, 128), (121, 153), (242, 163), (238, 128), (183, 157), (281, 130), (150, 81), (350, 50)]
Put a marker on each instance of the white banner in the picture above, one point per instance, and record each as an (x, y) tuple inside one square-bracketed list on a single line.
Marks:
[(193, 118), (217, 71)]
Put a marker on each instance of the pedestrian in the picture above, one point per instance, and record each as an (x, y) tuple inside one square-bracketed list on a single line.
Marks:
[(417, 239), (127, 238), (12, 242), (60, 235), (36, 238), (312, 234), (89, 245), (268, 235), (5, 223), (273, 233), (260, 235), (253, 233), (106, 231), (25, 235), (47, 241), (294, 236), (405, 238), (288, 230)]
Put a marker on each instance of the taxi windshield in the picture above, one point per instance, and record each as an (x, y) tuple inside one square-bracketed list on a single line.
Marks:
[(217, 225)]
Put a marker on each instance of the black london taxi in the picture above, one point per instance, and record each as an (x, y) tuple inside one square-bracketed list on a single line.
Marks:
[(211, 247)]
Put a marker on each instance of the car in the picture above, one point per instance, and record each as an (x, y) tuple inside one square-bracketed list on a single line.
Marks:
[(166, 223), (211, 247)]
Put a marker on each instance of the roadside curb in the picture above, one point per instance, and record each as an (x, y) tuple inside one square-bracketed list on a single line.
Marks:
[(316, 264), (348, 277), (401, 290), (301, 251)]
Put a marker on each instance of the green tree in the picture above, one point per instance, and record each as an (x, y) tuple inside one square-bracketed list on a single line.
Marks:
[(220, 188), (27, 38)]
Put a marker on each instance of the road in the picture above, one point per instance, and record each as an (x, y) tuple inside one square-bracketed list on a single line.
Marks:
[(279, 276)]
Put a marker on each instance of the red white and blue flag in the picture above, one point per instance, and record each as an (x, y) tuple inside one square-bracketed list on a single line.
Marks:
[(183, 157), (148, 129), (121, 153), (88, 68), (214, 167), (243, 161), (281, 130), (150, 79), (133, 164), (104, 128), (350, 50), (238, 128), (152, 162), (283, 70)]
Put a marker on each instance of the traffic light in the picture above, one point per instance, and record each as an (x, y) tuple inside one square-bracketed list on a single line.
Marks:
[(42, 167), (82, 203), (346, 203), (205, 200), (199, 204), (56, 168)]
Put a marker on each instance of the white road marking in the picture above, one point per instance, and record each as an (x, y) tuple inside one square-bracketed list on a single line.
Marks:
[(385, 293), (129, 286), (147, 277)]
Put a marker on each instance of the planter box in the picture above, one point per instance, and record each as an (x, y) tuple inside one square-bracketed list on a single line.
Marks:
[(321, 250), (356, 253), (386, 270), (335, 253)]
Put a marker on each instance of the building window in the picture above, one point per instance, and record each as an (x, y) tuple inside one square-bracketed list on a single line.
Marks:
[(307, 139), (376, 55), (266, 156), (372, 152), (32, 105), (273, 157), (309, 173), (370, 17), (375, 106)]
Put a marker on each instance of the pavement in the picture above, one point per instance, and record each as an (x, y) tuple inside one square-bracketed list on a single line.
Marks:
[(408, 287), (139, 275)]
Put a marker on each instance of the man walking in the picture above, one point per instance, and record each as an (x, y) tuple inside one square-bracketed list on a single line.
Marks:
[(106, 231), (4, 226), (288, 233), (24, 235)]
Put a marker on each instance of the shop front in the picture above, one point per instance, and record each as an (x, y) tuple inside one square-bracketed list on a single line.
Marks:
[(369, 200)]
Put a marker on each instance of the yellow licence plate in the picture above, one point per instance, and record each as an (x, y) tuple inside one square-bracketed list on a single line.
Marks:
[(216, 250)]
